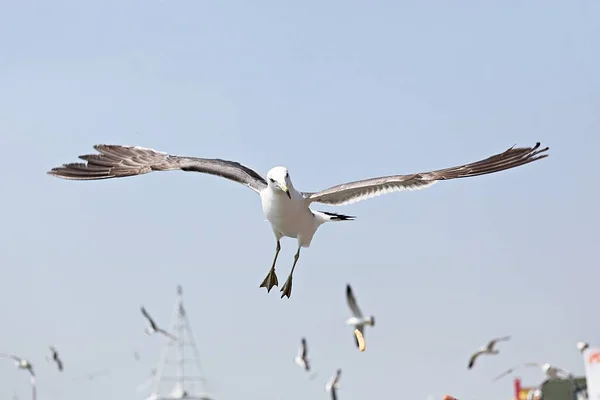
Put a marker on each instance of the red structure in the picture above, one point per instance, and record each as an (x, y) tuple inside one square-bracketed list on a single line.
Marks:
[(520, 391)]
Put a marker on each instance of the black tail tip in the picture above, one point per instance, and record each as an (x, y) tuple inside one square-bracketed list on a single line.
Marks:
[(338, 217), (372, 320)]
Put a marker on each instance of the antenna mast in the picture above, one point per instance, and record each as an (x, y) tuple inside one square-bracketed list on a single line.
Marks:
[(182, 386)]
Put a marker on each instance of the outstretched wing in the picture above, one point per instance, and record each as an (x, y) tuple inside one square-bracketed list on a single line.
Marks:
[(473, 358), (59, 363), (148, 317), (10, 356), (511, 370), (165, 333), (352, 302), (115, 161), (492, 342), (352, 192), (304, 349), (333, 393)]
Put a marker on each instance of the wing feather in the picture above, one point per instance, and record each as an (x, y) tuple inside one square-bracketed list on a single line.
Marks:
[(352, 302), (148, 317), (304, 349), (115, 161), (352, 192)]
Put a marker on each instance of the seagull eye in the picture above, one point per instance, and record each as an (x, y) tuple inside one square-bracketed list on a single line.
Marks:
[(272, 180), (287, 174)]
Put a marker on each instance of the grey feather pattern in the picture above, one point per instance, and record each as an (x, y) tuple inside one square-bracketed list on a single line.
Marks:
[(352, 302), (115, 161), (352, 192)]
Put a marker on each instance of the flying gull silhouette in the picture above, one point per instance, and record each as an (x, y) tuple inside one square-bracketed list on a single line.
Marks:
[(286, 208)]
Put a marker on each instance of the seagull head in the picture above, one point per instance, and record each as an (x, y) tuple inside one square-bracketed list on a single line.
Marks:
[(278, 178), (546, 367), (582, 346)]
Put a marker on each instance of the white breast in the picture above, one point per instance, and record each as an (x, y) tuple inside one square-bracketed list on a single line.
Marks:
[(290, 217)]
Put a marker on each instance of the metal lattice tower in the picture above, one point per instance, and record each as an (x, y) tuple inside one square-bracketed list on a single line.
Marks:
[(179, 377)]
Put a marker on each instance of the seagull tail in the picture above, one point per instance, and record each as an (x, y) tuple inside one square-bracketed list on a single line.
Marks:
[(372, 320), (325, 216)]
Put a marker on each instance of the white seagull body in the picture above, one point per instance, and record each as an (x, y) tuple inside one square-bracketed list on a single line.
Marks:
[(489, 348), (21, 363), (581, 346), (302, 357), (333, 385), (153, 328), (550, 371), (56, 358), (358, 321), (286, 208)]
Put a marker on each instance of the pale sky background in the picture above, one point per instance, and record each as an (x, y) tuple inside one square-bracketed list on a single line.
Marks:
[(335, 91)]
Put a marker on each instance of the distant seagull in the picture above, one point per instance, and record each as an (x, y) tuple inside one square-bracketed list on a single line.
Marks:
[(550, 371), (286, 208), (21, 363), (153, 328), (56, 358), (333, 385), (487, 349), (581, 346), (302, 357), (357, 320)]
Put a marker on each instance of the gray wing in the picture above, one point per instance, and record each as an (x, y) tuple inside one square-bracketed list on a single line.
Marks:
[(473, 359), (511, 370), (352, 302), (10, 356), (165, 333), (507, 372), (492, 342), (148, 317), (304, 349), (352, 192), (115, 161)]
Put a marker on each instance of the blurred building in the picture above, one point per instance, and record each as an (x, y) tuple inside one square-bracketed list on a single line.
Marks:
[(559, 389)]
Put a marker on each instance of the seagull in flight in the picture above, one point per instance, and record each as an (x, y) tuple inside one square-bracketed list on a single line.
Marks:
[(550, 371), (21, 363), (582, 346), (489, 348), (302, 357), (357, 320), (56, 358), (286, 208), (333, 385), (153, 328)]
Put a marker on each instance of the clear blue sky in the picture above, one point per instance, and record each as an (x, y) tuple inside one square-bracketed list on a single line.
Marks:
[(335, 91)]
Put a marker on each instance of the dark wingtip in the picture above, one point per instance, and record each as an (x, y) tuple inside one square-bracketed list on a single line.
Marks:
[(54, 172)]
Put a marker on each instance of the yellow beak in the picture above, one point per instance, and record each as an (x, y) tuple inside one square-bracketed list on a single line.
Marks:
[(285, 189)]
